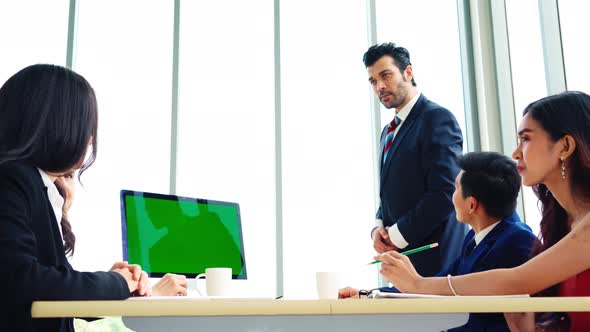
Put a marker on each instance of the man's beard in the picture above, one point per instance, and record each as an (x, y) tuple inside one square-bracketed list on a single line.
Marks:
[(394, 103)]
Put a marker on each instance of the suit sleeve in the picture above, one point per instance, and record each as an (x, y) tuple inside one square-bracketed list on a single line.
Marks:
[(442, 144), (450, 269), (23, 278)]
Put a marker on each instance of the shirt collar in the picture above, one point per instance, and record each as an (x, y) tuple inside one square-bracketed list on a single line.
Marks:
[(55, 199), (482, 234), (405, 111), (46, 179)]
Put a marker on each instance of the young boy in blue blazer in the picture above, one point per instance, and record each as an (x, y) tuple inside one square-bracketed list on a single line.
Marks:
[(485, 196)]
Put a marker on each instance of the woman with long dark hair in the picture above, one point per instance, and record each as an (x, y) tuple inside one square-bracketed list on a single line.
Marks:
[(554, 158), (48, 122)]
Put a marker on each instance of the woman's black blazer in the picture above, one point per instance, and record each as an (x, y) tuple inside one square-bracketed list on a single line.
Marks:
[(32, 259)]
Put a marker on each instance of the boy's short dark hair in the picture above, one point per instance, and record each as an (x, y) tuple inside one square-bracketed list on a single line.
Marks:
[(492, 179)]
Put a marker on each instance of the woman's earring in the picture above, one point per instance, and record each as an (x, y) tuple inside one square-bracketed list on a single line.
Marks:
[(562, 167)]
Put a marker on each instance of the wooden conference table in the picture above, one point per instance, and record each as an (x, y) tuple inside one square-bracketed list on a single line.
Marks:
[(266, 315)]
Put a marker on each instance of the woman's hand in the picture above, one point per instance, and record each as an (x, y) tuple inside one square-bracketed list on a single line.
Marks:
[(66, 183), (398, 269), (131, 282), (170, 285), (137, 280)]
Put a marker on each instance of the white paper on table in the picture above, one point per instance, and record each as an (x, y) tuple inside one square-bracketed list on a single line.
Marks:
[(391, 295)]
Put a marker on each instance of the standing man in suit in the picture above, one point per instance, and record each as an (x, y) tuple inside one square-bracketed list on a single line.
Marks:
[(418, 165)]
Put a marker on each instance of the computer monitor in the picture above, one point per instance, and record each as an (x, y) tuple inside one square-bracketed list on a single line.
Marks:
[(183, 235)]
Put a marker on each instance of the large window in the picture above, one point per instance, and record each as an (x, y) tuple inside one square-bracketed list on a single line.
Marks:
[(128, 64), (226, 112), (574, 35), (432, 37), (327, 177), (33, 31), (528, 76), (226, 115)]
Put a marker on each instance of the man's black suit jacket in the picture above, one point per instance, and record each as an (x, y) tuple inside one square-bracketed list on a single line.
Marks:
[(32, 259), (417, 182)]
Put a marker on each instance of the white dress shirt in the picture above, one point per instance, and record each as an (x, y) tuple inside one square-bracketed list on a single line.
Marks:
[(55, 199), (480, 236)]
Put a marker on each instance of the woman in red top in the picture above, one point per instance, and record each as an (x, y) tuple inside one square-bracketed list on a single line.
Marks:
[(553, 157)]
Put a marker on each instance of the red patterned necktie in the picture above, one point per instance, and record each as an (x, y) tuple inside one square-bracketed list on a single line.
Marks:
[(389, 136)]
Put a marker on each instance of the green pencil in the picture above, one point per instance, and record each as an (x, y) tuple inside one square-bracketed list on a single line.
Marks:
[(413, 251)]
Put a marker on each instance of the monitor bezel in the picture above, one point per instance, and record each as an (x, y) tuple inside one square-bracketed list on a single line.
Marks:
[(126, 192)]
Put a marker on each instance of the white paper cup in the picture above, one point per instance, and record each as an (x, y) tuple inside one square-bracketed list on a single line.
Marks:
[(328, 284), (217, 281)]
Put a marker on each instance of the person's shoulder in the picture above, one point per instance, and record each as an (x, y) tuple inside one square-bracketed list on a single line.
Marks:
[(433, 111), (582, 225), (17, 171), (518, 230), (19, 182), (430, 106), (513, 245), (17, 167)]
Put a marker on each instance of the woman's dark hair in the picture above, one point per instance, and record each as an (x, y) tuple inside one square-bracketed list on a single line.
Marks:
[(66, 227), (400, 55), (492, 179), (48, 116), (567, 113)]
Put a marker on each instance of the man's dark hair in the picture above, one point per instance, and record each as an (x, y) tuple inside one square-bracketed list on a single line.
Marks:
[(492, 179), (400, 55)]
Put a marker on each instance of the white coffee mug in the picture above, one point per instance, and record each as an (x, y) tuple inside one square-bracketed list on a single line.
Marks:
[(328, 284), (217, 281)]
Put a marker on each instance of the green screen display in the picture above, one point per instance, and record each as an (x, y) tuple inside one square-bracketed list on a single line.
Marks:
[(171, 234)]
